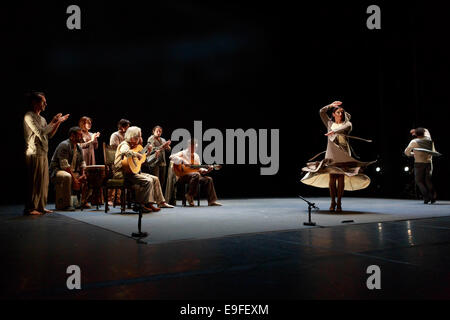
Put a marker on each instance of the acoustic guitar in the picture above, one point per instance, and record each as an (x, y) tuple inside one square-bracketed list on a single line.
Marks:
[(153, 159), (184, 169), (133, 164)]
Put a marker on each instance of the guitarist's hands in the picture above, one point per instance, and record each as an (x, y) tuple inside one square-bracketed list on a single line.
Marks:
[(206, 171)]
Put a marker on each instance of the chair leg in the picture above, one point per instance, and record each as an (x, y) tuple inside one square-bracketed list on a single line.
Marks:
[(97, 193), (198, 195), (128, 198), (115, 197), (79, 200), (186, 188), (105, 196), (122, 200)]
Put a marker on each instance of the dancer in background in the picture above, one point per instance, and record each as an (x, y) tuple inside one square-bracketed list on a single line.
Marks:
[(422, 148), (37, 132), (338, 171)]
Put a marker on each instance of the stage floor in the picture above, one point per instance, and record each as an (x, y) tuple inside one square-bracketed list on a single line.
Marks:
[(298, 262), (245, 216)]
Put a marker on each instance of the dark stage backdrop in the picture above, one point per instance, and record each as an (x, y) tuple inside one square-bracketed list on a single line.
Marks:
[(235, 64)]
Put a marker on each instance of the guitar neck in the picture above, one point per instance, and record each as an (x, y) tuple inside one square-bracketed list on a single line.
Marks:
[(198, 166), (145, 149)]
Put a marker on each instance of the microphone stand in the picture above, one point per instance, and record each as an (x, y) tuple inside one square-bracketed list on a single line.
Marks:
[(139, 234), (310, 205)]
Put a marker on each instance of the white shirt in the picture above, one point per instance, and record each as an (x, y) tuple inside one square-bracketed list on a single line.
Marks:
[(184, 157)]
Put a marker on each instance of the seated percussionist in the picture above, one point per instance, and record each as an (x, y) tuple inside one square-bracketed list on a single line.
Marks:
[(147, 187), (188, 156), (67, 170)]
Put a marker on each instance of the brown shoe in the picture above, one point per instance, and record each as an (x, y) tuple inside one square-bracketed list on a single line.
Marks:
[(338, 208), (189, 199), (151, 207), (146, 210), (215, 204)]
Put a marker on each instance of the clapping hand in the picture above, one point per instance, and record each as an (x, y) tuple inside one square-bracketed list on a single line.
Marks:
[(63, 118), (56, 118), (95, 136), (59, 118)]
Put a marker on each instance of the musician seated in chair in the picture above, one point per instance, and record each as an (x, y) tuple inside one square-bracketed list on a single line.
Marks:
[(189, 157), (147, 187), (67, 170)]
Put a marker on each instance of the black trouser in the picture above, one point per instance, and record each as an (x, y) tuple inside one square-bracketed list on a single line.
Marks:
[(422, 172), (195, 178)]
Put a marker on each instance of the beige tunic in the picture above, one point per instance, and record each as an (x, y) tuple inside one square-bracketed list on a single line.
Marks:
[(116, 139), (36, 134)]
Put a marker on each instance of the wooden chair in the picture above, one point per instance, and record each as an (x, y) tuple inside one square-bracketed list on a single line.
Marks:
[(109, 154), (184, 188)]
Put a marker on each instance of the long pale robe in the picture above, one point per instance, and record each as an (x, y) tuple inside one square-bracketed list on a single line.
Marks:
[(36, 133), (338, 159)]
